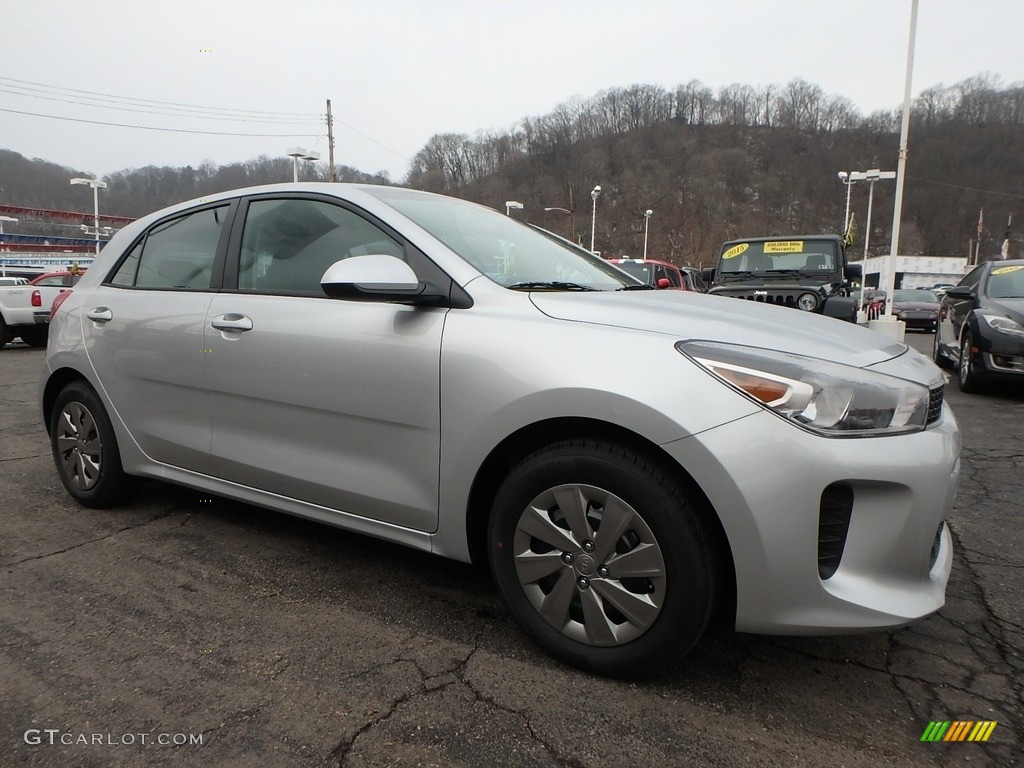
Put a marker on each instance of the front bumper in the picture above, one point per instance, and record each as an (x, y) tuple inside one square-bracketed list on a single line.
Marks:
[(766, 480)]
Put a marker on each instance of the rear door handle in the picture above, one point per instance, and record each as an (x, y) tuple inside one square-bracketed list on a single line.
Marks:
[(100, 314), (232, 321)]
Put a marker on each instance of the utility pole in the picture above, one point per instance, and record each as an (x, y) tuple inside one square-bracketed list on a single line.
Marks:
[(330, 142)]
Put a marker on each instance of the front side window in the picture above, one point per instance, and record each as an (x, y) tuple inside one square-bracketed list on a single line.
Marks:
[(288, 244), (175, 254)]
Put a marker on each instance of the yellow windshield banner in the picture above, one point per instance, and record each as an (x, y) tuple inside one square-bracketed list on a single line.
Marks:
[(784, 246), (1004, 270), (735, 251)]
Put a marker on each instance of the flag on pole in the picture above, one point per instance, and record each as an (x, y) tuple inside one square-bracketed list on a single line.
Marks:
[(1006, 240), (851, 230)]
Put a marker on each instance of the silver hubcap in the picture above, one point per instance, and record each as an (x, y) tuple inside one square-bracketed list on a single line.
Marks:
[(79, 446), (965, 359), (590, 565)]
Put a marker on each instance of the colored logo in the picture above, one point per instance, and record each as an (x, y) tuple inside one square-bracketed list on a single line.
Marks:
[(958, 730)]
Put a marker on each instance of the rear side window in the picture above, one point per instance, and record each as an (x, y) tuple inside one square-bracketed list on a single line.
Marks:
[(175, 254)]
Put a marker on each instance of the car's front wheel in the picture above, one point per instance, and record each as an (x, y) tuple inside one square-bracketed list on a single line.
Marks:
[(967, 372), (85, 448), (602, 558), (938, 353)]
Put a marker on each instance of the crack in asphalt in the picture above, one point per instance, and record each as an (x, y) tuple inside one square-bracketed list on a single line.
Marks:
[(992, 636), (86, 543), (23, 458), (457, 675)]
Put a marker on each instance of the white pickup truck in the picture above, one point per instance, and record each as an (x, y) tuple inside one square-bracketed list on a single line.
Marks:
[(25, 309)]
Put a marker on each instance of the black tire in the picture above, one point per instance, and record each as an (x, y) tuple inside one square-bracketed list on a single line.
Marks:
[(581, 581), (938, 355), (85, 449), (3, 333), (37, 337), (967, 373)]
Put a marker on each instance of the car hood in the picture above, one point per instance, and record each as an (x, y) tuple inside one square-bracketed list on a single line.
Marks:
[(916, 306), (689, 316)]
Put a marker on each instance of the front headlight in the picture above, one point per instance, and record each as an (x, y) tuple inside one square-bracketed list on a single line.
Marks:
[(826, 398), (1002, 324), (808, 302)]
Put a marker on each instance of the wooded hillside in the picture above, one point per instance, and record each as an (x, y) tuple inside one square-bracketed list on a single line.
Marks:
[(711, 166)]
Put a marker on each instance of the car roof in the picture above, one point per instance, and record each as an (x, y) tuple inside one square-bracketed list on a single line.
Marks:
[(645, 261)]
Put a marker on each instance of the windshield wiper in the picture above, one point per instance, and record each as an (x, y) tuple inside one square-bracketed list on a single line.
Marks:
[(640, 287), (551, 285), (739, 273)]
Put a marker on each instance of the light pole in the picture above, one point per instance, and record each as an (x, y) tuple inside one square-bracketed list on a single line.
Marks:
[(510, 204), (593, 215), (572, 223), (849, 179), (871, 177), (96, 185), (296, 154), (647, 221)]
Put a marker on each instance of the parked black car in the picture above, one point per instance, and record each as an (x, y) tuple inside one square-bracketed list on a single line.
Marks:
[(981, 327), (917, 307)]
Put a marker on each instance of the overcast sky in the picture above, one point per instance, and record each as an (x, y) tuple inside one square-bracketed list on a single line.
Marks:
[(400, 71)]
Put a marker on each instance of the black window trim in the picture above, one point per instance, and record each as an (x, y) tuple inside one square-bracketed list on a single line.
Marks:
[(219, 258), (416, 258)]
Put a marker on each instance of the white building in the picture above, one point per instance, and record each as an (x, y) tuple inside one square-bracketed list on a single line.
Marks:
[(915, 271)]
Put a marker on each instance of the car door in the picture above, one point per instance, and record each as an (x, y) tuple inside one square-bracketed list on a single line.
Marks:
[(143, 332), (331, 402)]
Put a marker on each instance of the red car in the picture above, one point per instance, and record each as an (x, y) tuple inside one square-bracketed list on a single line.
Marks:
[(62, 279), (660, 274)]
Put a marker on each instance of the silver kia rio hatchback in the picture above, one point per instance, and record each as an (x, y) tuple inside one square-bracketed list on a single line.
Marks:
[(431, 372)]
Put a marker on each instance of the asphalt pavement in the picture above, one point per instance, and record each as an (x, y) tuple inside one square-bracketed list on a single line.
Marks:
[(185, 630)]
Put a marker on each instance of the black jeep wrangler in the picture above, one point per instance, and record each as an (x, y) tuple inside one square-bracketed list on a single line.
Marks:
[(807, 272)]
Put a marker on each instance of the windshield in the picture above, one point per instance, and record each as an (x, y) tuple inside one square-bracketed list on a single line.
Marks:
[(506, 251), (1007, 282), (915, 295), (807, 256)]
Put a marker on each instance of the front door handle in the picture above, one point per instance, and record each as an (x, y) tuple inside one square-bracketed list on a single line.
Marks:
[(100, 314), (232, 321)]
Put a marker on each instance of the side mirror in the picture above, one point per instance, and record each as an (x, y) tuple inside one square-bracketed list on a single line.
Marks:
[(853, 272), (708, 273), (960, 292), (663, 282), (378, 277)]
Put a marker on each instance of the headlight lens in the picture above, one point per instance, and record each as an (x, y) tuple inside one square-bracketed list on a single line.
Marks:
[(826, 398), (1003, 324), (808, 302)]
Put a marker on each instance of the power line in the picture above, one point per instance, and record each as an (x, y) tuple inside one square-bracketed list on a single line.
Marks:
[(154, 128), (970, 189), (163, 103), (170, 111)]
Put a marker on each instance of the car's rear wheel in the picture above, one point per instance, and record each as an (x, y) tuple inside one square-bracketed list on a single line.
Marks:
[(85, 448), (3, 334), (37, 337), (967, 372), (602, 558)]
